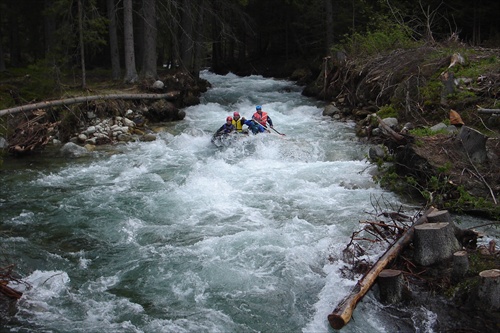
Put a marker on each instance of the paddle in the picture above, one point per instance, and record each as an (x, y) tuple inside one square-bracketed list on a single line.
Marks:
[(266, 127), (277, 131)]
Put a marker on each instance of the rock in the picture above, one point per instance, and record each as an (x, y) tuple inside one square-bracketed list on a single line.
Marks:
[(3, 143), (330, 110), (148, 137), (73, 150), (158, 85), (376, 153), (82, 137), (391, 122), (474, 143), (438, 127)]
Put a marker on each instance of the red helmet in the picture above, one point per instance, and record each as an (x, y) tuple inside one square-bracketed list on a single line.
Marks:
[(229, 118), (236, 114)]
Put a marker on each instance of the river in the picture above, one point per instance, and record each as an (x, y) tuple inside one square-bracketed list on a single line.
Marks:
[(177, 235)]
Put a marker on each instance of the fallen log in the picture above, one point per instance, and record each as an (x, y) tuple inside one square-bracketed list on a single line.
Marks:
[(343, 312), (67, 101), (488, 111)]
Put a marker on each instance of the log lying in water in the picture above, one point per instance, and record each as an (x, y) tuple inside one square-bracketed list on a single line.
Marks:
[(67, 101), (343, 312)]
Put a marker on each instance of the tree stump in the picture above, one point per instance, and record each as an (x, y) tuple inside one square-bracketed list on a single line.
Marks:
[(474, 143), (434, 242), (439, 216), (391, 284), (489, 288), (460, 264), (465, 237)]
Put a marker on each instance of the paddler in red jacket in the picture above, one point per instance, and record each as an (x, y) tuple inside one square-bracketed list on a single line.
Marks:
[(262, 117)]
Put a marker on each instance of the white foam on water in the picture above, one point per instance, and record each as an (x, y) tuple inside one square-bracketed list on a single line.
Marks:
[(177, 235)]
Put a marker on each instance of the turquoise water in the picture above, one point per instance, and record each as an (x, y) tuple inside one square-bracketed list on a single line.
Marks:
[(177, 235)]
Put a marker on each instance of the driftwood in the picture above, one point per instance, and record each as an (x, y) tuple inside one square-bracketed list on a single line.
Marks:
[(30, 107), (343, 312)]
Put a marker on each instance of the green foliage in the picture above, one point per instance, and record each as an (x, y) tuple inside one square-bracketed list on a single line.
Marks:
[(477, 68), (431, 92), (382, 36), (27, 85), (387, 111)]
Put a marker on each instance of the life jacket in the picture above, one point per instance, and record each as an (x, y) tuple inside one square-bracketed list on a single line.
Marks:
[(262, 119), (238, 125)]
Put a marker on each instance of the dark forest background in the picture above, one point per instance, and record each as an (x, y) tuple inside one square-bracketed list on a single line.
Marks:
[(131, 40)]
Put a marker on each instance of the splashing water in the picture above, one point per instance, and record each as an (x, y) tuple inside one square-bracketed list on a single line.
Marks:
[(177, 235)]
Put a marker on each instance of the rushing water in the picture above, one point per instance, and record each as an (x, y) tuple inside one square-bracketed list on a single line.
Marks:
[(177, 235)]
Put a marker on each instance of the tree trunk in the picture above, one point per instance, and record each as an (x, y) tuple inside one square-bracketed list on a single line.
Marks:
[(113, 40), (82, 44), (149, 54), (42, 105), (14, 42), (49, 27), (128, 28), (2, 60), (329, 25), (343, 312), (186, 41), (216, 41), (198, 48)]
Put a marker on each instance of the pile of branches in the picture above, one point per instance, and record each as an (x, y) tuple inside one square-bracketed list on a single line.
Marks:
[(32, 133), (6, 277), (381, 78), (384, 228)]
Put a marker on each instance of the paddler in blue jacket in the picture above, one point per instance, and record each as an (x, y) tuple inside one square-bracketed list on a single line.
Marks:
[(227, 128), (254, 126)]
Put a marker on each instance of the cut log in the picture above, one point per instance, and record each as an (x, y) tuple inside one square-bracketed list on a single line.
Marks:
[(30, 107), (343, 312), (474, 143), (390, 283), (460, 265), (489, 288), (434, 242)]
